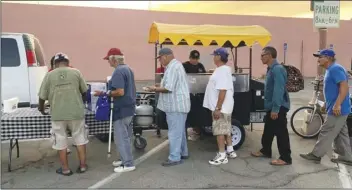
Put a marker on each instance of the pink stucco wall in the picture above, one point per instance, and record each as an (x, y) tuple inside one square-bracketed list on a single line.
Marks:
[(86, 34)]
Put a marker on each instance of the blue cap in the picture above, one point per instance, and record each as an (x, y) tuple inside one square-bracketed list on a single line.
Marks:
[(325, 52), (222, 52)]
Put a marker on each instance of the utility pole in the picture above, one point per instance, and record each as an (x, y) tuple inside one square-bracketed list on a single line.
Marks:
[(322, 45)]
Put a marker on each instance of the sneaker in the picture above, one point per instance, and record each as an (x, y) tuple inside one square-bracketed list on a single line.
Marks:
[(311, 157), (192, 134), (193, 137), (122, 168), (117, 163), (231, 154), (168, 163), (219, 160)]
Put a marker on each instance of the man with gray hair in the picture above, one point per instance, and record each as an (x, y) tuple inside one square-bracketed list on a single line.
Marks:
[(174, 100), (338, 107), (122, 88)]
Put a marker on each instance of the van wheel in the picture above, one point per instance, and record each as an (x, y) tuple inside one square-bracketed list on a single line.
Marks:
[(238, 134)]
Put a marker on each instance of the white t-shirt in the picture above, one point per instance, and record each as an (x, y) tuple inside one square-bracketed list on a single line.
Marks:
[(221, 79)]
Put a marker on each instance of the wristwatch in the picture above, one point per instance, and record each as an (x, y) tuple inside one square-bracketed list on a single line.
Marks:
[(108, 93), (217, 108)]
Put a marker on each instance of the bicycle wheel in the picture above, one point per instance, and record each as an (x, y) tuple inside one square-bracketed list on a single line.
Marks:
[(300, 117)]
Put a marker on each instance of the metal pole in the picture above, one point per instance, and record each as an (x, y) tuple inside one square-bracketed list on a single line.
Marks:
[(250, 66), (235, 61), (320, 70)]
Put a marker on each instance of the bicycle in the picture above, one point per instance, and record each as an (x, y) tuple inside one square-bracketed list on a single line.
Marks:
[(312, 112)]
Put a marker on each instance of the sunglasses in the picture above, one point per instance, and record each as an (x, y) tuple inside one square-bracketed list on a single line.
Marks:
[(264, 54)]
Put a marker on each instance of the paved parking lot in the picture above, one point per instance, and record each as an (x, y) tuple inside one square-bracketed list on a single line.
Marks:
[(37, 164)]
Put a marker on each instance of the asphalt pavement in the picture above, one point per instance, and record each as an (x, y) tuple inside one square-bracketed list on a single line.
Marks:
[(37, 164)]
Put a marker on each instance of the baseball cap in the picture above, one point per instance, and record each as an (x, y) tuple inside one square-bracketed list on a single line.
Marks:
[(194, 54), (113, 51), (164, 51), (325, 52), (60, 57), (222, 52)]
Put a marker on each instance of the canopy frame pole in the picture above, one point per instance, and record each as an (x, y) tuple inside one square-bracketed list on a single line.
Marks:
[(155, 60), (235, 61), (250, 65)]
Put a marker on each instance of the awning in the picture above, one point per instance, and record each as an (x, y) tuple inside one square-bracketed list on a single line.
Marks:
[(206, 35)]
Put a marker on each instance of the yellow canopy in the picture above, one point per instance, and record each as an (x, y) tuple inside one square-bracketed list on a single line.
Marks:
[(208, 35)]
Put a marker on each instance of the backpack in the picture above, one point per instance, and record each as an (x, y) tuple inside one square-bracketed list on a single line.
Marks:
[(295, 81), (102, 111)]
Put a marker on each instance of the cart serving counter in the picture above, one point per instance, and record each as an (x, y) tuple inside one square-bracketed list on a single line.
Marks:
[(248, 93)]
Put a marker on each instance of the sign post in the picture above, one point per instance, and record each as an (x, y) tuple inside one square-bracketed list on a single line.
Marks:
[(326, 15)]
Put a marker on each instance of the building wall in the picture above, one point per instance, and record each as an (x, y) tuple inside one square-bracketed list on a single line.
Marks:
[(86, 34)]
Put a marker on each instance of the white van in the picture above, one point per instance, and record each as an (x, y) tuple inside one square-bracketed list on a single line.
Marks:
[(22, 68)]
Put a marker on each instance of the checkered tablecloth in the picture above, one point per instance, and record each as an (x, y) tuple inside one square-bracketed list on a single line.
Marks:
[(29, 123)]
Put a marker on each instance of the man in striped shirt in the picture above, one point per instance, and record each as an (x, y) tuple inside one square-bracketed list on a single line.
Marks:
[(174, 100)]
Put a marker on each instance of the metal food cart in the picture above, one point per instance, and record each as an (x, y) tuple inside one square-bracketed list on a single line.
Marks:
[(248, 93)]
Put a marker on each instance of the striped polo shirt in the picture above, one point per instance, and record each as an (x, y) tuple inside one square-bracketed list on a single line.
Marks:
[(175, 81)]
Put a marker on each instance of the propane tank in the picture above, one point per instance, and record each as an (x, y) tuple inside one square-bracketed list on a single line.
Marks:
[(144, 109)]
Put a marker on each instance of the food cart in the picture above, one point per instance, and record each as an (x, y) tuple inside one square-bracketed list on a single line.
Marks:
[(248, 93)]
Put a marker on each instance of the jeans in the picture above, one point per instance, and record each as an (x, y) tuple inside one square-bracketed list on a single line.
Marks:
[(177, 135), (122, 138)]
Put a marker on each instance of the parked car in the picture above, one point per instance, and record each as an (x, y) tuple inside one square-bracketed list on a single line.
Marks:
[(22, 68)]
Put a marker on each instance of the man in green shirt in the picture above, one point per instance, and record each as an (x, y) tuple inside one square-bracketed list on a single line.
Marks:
[(64, 88)]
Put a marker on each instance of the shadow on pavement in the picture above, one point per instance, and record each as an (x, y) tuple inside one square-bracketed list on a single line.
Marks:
[(36, 166)]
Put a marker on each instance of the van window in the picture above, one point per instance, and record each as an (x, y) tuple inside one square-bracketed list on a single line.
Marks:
[(39, 52), (10, 56)]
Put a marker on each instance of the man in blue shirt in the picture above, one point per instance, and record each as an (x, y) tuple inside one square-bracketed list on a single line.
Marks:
[(277, 104), (338, 107), (122, 88)]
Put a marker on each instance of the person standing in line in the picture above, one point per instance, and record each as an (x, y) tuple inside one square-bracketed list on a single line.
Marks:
[(218, 98), (63, 88), (174, 100), (194, 66), (123, 89), (52, 67), (338, 107), (277, 104)]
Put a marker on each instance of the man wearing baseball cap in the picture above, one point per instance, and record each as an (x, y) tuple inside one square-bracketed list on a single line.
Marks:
[(218, 98), (63, 88), (175, 102), (123, 89), (338, 107), (194, 66)]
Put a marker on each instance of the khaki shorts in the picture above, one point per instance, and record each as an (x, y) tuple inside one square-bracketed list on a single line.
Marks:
[(223, 125), (59, 133)]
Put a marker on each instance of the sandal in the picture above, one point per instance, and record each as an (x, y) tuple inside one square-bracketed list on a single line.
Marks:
[(279, 162), (259, 154), (61, 172), (81, 170)]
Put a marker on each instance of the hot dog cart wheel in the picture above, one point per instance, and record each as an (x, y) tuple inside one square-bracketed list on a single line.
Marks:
[(238, 134)]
